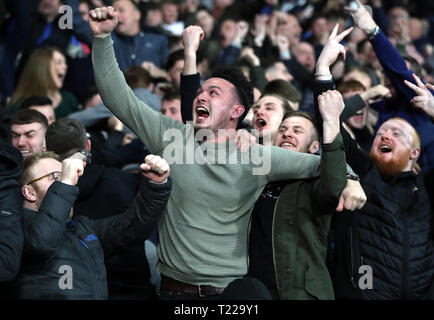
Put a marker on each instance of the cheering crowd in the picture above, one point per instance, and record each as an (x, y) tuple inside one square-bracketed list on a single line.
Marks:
[(217, 150)]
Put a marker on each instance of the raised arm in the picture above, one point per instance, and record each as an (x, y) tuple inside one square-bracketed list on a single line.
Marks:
[(323, 82), (44, 230), (122, 231), (190, 79), (146, 123), (392, 62)]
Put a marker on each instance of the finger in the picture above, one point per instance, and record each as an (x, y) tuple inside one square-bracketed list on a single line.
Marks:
[(343, 53), (412, 86), (145, 167), (420, 99), (92, 14), (160, 166), (334, 32), (350, 10), (104, 13), (343, 34), (362, 203), (348, 203), (418, 81), (110, 12), (340, 206), (98, 13), (359, 4), (429, 86)]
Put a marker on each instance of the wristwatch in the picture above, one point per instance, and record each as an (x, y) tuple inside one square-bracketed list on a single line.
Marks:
[(353, 177), (373, 32)]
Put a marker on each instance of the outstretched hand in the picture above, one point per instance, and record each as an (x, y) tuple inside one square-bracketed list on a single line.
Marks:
[(332, 50), (362, 17), (103, 21), (424, 99)]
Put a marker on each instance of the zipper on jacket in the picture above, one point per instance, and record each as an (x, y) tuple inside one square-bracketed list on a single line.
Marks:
[(352, 280), (405, 261), (272, 246)]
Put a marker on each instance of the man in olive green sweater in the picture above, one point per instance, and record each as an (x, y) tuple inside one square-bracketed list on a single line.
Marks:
[(204, 229)]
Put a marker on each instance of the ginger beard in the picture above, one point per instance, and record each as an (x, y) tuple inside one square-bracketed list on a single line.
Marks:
[(391, 164), (396, 147)]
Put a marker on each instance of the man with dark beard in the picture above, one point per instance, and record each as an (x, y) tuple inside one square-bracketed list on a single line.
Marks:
[(386, 249)]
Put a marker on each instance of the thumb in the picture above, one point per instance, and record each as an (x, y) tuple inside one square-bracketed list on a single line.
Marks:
[(340, 206)]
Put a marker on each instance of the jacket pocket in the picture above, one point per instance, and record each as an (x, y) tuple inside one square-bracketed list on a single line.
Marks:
[(318, 284)]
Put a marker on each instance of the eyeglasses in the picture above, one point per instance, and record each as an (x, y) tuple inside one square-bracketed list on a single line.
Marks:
[(55, 175)]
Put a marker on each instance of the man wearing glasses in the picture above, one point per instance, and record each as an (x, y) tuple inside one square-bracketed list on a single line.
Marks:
[(64, 255)]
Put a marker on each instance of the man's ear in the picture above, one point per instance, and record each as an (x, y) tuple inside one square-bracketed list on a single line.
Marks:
[(237, 111), (314, 147), (137, 15), (414, 153), (29, 193), (88, 145)]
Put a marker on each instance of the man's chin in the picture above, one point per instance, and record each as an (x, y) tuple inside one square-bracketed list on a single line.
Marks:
[(389, 166)]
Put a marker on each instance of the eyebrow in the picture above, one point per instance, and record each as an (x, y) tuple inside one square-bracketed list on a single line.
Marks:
[(25, 133), (210, 87)]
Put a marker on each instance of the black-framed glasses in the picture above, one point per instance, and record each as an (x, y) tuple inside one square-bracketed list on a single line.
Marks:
[(55, 175)]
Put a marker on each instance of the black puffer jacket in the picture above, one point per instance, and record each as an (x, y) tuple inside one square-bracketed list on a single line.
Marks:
[(392, 234), (81, 244), (11, 230)]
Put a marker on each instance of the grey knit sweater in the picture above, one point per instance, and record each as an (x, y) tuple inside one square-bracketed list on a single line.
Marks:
[(203, 233)]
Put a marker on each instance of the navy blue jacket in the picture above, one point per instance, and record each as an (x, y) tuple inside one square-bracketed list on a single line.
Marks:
[(51, 241), (132, 51)]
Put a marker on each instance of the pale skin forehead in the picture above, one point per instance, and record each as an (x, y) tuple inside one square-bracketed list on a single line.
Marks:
[(268, 100), (218, 83), (297, 122), (400, 126), (43, 167), (23, 128)]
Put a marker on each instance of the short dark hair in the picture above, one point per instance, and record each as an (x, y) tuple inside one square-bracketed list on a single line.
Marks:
[(136, 6), (306, 115), (414, 65), (26, 116), (282, 88), (35, 101), (66, 136), (173, 57), (243, 86), (170, 95), (137, 77)]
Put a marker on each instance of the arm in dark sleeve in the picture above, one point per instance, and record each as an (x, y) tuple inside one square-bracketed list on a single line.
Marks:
[(43, 230), (299, 72), (80, 27), (122, 231), (333, 176), (257, 77), (11, 228), (188, 87), (354, 156), (352, 105), (393, 64), (380, 17)]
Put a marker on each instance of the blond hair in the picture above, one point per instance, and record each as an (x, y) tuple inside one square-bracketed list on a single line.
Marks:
[(32, 160)]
